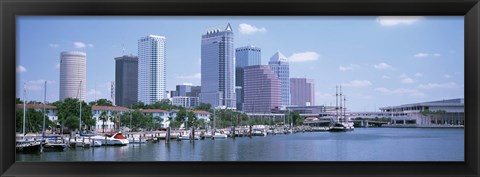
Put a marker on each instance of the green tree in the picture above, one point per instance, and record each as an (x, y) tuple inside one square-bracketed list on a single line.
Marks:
[(70, 109), (18, 101), (33, 122), (204, 107), (101, 102), (103, 117), (181, 116), (191, 119)]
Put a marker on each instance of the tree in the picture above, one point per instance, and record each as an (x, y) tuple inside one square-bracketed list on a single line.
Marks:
[(18, 101), (294, 117), (33, 122), (191, 119), (69, 109), (103, 117), (204, 107), (101, 102), (181, 116)]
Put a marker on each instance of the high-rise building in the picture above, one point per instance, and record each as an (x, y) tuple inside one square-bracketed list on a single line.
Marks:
[(112, 92), (187, 89), (73, 75), (217, 67), (262, 89), (279, 64), (126, 80), (244, 56), (151, 69), (302, 91)]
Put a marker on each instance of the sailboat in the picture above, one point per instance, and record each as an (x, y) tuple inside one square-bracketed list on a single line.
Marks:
[(27, 145), (341, 124), (52, 143)]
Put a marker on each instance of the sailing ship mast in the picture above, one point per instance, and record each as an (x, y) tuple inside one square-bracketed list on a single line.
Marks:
[(24, 109)]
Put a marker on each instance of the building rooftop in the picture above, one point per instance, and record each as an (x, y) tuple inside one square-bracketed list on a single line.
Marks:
[(279, 57)]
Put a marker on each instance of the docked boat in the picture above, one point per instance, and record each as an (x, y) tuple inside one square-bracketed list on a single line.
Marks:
[(219, 135), (116, 139), (342, 126), (259, 132), (28, 146), (55, 143)]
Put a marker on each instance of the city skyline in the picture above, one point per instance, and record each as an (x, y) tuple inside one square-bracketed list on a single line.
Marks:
[(381, 58)]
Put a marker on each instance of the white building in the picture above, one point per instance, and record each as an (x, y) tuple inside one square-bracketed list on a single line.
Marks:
[(184, 101), (73, 75), (162, 114), (434, 113), (111, 112), (151, 69)]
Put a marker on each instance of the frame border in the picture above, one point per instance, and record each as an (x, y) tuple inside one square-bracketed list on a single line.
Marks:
[(9, 9)]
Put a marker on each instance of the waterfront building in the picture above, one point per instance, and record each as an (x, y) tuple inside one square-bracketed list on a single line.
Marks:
[(434, 113), (73, 75), (186, 102), (302, 91), (160, 114), (151, 69), (244, 56), (262, 89), (279, 65), (49, 109), (113, 112), (316, 110), (217, 67)]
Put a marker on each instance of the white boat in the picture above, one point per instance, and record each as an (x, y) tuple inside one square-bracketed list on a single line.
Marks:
[(116, 139), (207, 135), (259, 132), (342, 126), (97, 143), (219, 135)]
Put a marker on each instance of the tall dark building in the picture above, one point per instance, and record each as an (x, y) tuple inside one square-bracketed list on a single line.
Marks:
[(126, 80)]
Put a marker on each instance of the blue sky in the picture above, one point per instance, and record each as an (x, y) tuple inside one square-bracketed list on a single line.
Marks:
[(379, 61)]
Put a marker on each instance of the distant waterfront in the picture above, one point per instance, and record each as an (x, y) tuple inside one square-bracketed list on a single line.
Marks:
[(362, 144)]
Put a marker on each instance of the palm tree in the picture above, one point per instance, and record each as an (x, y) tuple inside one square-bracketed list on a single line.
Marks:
[(104, 117), (116, 120)]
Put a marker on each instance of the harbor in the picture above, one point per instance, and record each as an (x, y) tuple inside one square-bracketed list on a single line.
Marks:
[(363, 144)]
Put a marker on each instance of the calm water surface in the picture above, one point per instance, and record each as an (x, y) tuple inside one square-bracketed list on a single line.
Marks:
[(362, 144)]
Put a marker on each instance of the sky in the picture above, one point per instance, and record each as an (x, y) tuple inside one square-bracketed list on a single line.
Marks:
[(380, 61)]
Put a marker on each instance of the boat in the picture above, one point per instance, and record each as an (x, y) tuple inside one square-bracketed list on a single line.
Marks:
[(342, 126), (116, 139), (342, 123), (218, 135), (54, 143), (259, 132), (27, 145)]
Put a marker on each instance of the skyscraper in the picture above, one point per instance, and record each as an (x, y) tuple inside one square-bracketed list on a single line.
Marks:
[(302, 91), (126, 80), (73, 75), (262, 89), (244, 56), (112, 92), (217, 70), (151, 69), (279, 64)]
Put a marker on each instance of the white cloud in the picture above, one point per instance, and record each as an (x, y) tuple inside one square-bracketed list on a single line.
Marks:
[(358, 83), (57, 66), (193, 76), (418, 75), (303, 57), (80, 45), (424, 54), (397, 20), (54, 45), (401, 92), (408, 80), (447, 76), (350, 67), (382, 66), (385, 77), (250, 29), (21, 69), (449, 85)]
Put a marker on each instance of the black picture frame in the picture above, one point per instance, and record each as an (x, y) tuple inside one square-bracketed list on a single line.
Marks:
[(470, 9)]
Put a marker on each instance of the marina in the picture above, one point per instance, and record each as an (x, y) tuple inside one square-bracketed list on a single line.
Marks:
[(363, 144)]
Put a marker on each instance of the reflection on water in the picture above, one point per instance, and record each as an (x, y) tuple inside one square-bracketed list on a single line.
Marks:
[(362, 144)]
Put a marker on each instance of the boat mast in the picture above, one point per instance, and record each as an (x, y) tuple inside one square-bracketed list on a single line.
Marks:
[(24, 108), (345, 109), (336, 102), (341, 108), (80, 100), (44, 101)]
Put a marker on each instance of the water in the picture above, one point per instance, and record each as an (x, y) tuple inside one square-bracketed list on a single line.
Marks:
[(362, 144)]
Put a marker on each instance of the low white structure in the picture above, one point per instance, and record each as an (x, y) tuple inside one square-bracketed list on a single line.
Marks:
[(111, 112), (162, 114), (434, 113)]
